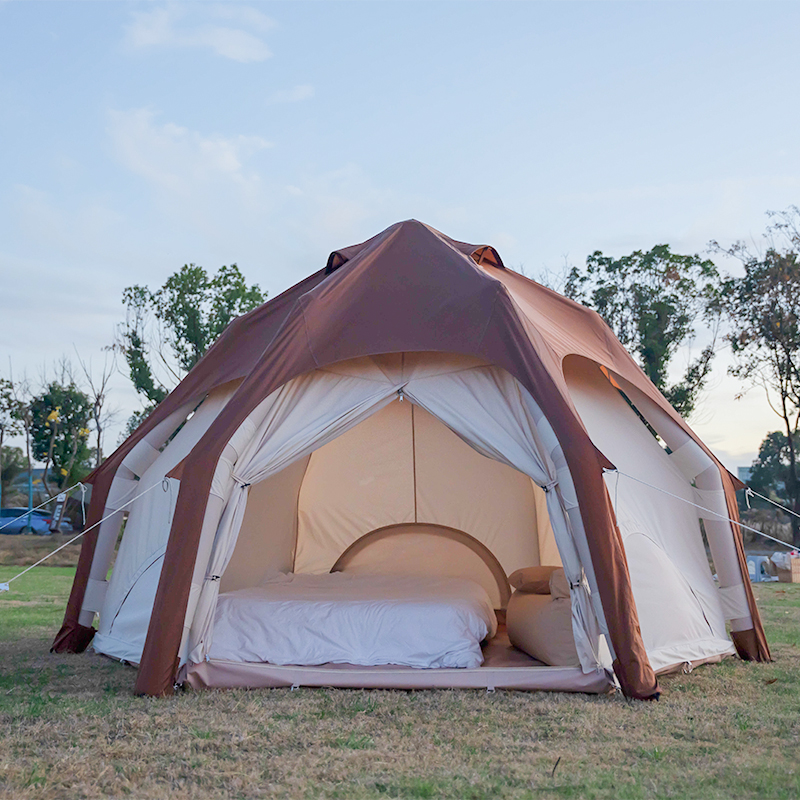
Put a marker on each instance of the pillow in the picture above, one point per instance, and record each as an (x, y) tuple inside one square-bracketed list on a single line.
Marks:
[(533, 580), (542, 627), (559, 585)]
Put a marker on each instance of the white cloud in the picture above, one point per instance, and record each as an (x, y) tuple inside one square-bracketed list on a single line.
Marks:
[(171, 26), (205, 185), (180, 160), (245, 15), (294, 95)]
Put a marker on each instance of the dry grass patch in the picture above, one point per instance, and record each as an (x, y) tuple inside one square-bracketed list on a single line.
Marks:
[(72, 729), (24, 550)]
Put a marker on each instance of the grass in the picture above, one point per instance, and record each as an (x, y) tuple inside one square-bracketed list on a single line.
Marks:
[(70, 728), (35, 606), (22, 551)]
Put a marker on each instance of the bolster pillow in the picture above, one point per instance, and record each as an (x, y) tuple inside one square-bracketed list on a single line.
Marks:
[(541, 624)]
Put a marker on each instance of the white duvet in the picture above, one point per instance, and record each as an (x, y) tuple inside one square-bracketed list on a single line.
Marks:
[(341, 618)]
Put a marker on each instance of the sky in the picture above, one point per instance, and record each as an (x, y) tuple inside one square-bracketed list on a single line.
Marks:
[(139, 136)]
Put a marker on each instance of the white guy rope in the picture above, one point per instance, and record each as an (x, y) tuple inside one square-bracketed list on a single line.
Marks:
[(702, 508), (4, 587), (749, 492), (50, 500)]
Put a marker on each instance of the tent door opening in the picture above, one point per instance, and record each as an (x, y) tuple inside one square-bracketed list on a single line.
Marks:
[(443, 444)]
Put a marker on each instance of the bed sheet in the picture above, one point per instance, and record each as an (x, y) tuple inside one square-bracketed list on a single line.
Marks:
[(343, 618)]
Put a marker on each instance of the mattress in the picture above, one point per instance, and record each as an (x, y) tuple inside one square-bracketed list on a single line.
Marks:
[(368, 620)]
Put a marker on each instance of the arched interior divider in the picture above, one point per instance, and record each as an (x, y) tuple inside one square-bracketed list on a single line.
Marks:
[(445, 532)]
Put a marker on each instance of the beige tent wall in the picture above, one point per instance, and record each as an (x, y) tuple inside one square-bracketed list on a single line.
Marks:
[(548, 549), (679, 608), (359, 482), (404, 466), (458, 487), (268, 534)]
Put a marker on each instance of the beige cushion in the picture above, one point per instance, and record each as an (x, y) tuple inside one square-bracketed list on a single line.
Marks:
[(535, 580), (559, 585), (541, 626)]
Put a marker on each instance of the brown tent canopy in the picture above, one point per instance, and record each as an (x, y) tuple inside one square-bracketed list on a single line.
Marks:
[(412, 290)]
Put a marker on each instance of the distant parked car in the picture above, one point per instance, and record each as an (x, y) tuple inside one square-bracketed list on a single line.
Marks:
[(15, 520)]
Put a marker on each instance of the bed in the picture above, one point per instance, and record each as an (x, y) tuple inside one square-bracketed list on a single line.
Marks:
[(345, 618)]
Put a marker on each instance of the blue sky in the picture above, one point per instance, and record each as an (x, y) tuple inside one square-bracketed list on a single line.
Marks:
[(137, 137)]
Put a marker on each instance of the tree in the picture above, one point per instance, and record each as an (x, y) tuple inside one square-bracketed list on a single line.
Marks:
[(59, 432), (770, 473), (653, 302), (97, 391), (167, 331), (763, 307), (20, 396), (12, 461), (10, 422)]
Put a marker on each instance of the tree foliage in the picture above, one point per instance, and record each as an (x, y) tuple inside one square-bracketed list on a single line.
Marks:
[(60, 431), (13, 464), (763, 308), (12, 417), (10, 422), (770, 475), (653, 302), (764, 312), (167, 331)]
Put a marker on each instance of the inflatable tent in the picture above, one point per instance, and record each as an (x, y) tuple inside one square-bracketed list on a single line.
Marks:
[(412, 412)]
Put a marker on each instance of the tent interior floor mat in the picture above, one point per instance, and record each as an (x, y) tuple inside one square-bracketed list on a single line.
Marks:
[(504, 667)]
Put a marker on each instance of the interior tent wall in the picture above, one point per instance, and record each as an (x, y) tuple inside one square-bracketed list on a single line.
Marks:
[(403, 465), (483, 405), (400, 465), (268, 536), (680, 608), (125, 612)]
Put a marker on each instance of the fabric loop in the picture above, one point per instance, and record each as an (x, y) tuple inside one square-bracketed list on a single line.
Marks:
[(84, 489)]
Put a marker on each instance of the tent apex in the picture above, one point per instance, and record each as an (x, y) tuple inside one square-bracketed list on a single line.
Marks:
[(480, 253)]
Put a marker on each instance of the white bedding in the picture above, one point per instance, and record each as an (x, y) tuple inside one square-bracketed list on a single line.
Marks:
[(342, 618)]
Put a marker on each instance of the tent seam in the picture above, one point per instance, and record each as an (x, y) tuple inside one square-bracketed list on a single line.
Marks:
[(297, 511), (305, 330), (355, 377), (491, 314)]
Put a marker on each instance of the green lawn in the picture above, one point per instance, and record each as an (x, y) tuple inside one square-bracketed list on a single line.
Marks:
[(35, 605), (72, 729)]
